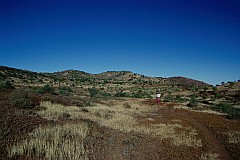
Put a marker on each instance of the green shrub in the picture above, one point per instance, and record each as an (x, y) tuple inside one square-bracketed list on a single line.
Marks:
[(193, 101), (215, 96), (122, 94), (6, 85), (179, 99), (214, 88), (140, 94), (231, 83), (25, 99), (46, 89), (65, 91), (93, 91), (168, 98), (229, 109), (106, 94)]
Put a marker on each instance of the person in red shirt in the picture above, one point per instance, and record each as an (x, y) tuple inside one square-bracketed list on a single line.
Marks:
[(158, 96)]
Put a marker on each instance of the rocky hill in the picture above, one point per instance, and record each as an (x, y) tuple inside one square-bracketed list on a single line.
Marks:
[(186, 82), (74, 77)]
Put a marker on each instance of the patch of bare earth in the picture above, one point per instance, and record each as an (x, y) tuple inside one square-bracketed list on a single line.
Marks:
[(109, 144), (220, 136)]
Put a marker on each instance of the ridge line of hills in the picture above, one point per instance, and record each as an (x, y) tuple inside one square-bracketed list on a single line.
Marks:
[(26, 77)]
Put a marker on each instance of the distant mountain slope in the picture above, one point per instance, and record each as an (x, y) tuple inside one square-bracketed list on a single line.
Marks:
[(74, 73), (183, 81), (70, 77), (24, 77), (126, 76)]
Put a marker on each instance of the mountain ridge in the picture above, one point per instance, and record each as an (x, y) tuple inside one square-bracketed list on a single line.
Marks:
[(16, 75)]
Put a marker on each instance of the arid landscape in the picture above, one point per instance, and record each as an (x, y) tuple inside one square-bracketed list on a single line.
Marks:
[(74, 115)]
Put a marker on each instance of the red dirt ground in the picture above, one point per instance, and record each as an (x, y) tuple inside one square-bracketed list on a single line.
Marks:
[(111, 144)]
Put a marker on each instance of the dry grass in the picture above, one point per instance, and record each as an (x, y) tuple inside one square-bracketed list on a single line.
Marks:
[(233, 136), (120, 118), (55, 111), (209, 156), (201, 111), (180, 135), (54, 142)]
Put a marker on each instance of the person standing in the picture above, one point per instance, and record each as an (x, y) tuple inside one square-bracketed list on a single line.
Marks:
[(158, 98)]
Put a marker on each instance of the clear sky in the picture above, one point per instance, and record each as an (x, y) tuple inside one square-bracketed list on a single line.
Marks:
[(199, 39)]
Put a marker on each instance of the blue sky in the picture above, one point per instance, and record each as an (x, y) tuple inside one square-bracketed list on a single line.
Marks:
[(198, 39)]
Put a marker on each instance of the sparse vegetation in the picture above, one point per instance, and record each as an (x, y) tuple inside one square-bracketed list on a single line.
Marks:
[(122, 120), (54, 142)]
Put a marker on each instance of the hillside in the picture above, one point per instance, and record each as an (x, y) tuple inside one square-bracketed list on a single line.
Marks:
[(183, 81), (75, 77)]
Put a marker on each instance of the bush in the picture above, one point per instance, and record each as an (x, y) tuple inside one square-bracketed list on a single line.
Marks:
[(93, 91), (6, 85), (193, 101), (25, 99), (214, 88), (46, 89), (141, 94), (169, 98), (65, 91), (122, 94), (229, 109), (106, 94), (126, 105), (215, 96), (179, 99), (231, 83)]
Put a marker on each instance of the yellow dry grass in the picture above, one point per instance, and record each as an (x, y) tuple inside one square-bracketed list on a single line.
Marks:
[(54, 142), (119, 118), (233, 136), (209, 156), (201, 111)]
